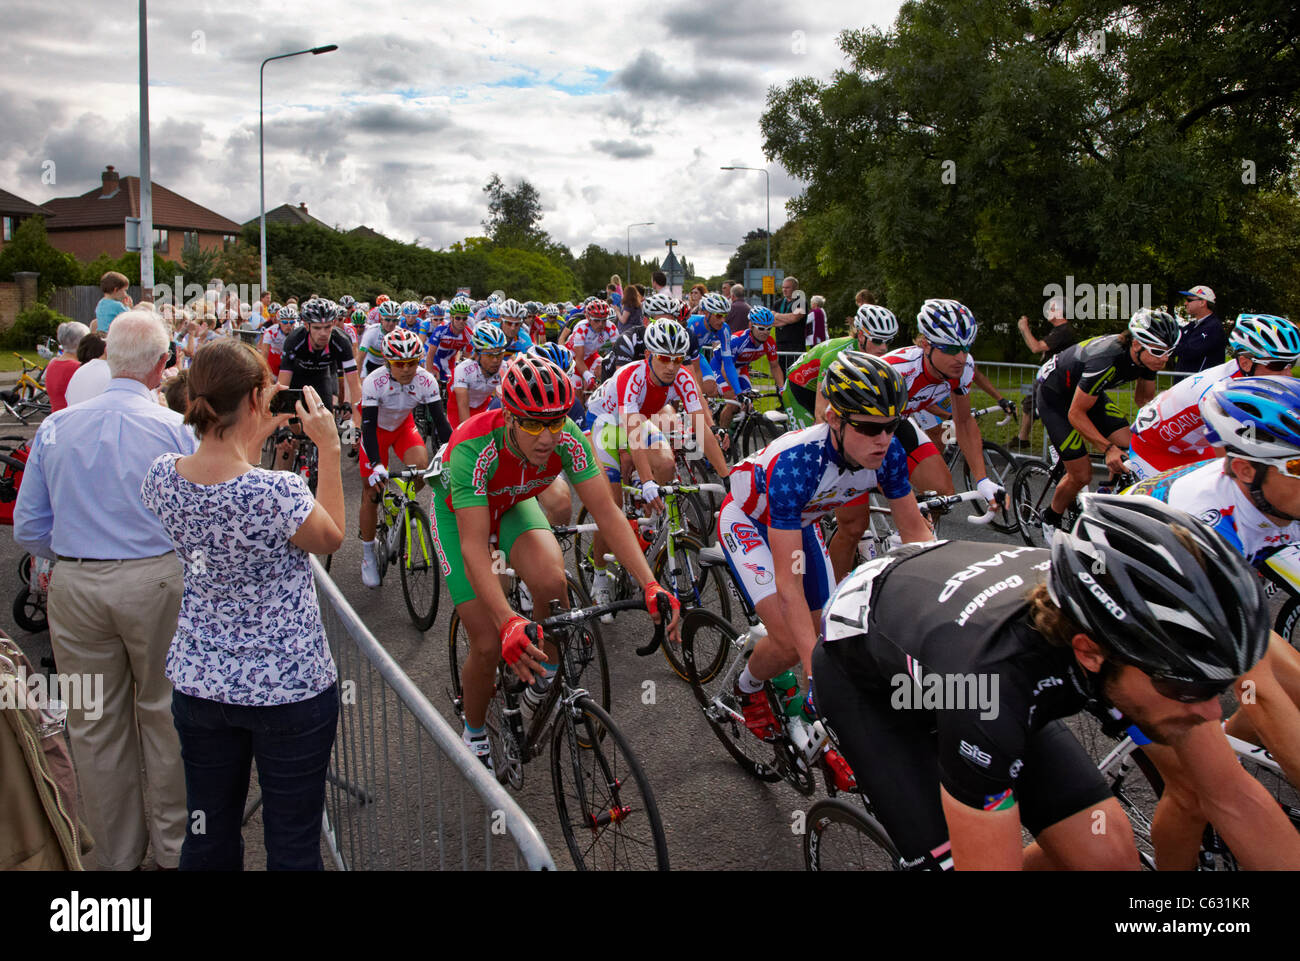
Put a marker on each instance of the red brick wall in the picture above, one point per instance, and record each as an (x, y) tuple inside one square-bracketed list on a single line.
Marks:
[(89, 243), (8, 304)]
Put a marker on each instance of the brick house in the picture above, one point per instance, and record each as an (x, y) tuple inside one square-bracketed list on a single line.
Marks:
[(94, 223), (13, 211)]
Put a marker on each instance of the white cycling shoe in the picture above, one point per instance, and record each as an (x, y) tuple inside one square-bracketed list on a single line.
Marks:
[(369, 567)]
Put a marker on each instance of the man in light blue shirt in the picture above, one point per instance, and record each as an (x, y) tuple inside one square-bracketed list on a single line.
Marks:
[(115, 593)]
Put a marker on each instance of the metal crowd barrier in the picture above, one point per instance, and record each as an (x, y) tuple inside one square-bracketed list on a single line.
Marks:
[(403, 792)]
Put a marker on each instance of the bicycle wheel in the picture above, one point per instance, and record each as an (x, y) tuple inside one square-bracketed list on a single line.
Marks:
[(582, 562), (29, 612), (1031, 495), (695, 586), (1000, 466), (840, 835), (706, 632), (421, 579), (1287, 624), (606, 806), (757, 434)]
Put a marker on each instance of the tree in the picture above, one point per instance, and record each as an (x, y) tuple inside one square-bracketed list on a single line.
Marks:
[(514, 215), (31, 249), (983, 150)]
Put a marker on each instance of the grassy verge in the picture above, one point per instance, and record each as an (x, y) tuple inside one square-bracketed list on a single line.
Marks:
[(8, 362)]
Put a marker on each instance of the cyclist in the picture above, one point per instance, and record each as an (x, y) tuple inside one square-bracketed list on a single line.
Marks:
[(712, 331), (389, 399), (1070, 395), (320, 355), (589, 335), (286, 318), (768, 524), (434, 317), (755, 343), (873, 328), (492, 468), (557, 500), (371, 344), (1169, 431), (410, 312), (626, 436), (476, 379), (513, 317), (449, 340), (1144, 608)]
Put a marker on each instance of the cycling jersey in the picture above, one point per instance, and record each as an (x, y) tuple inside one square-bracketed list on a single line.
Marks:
[(443, 345), (1169, 431), (804, 378), (480, 469), (585, 340), (923, 388), (1207, 492), (635, 389), (372, 349), (745, 350), (274, 337), (395, 401), (522, 343), (319, 369), (1091, 366), (800, 477), (721, 339), (480, 386), (930, 671)]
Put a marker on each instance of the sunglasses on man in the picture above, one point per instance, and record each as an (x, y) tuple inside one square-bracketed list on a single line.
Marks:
[(534, 426), (873, 428), (667, 359), (952, 350)]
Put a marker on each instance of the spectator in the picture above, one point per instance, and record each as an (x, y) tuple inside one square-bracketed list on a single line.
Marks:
[(614, 291), (630, 317), (115, 593), (1061, 336), (1203, 343), (253, 680), (692, 305), (92, 376), (726, 288), (263, 303), (738, 316), (863, 297), (60, 370), (816, 320), (177, 392), (659, 281), (115, 299), (790, 316)]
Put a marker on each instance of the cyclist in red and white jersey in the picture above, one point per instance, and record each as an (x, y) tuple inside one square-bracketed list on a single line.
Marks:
[(388, 401), (1169, 431), (476, 380), (273, 337), (625, 436), (589, 335)]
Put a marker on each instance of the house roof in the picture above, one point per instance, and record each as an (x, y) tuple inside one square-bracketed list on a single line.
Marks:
[(12, 204), (291, 214), (170, 210), (366, 232)]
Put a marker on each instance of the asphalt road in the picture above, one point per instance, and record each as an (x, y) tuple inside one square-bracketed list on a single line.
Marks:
[(715, 816)]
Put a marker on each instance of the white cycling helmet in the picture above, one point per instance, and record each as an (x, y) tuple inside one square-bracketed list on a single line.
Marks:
[(661, 305), (714, 303), (667, 337), (876, 322), (512, 310), (1155, 330), (946, 323)]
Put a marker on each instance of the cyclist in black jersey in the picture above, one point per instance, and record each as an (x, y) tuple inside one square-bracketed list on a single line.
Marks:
[(955, 663), (320, 355), (1075, 410)]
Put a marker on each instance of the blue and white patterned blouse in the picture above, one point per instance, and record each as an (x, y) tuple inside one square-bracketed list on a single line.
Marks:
[(250, 630)]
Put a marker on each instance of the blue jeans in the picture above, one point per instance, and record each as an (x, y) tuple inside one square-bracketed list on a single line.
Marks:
[(292, 745)]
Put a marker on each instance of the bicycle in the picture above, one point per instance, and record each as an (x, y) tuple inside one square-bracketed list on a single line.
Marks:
[(750, 430), (673, 552), (1032, 490), (999, 464), (881, 536), (600, 789), (28, 395), (403, 537)]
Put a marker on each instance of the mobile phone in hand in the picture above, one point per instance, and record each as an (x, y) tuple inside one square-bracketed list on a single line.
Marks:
[(283, 402)]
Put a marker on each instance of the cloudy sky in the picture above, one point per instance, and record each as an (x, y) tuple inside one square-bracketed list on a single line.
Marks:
[(615, 117)]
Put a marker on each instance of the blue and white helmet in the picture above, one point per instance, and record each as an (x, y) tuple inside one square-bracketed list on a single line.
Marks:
[(557, 354), (1257, 418), (1265, 336), (488, 337), (946, 323)]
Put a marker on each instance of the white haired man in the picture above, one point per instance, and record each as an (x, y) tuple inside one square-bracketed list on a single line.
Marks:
[(115, 594)]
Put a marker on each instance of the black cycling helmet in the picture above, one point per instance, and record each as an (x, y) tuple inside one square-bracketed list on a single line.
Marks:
[(1128, 582), (318, 310), (858, 383)]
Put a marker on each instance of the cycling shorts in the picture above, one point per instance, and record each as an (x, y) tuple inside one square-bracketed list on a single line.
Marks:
[(524, 516), (273, 361), (894, 756), (800, 404), (609, 439), (918, 445), (1104, 415), (745, 545), (400, 440), (928, 421)]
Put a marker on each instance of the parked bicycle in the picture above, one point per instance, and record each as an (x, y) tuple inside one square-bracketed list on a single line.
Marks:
[(27, 399)]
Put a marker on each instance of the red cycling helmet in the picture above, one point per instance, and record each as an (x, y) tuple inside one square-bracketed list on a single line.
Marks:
[(533, 387), (598, 309)]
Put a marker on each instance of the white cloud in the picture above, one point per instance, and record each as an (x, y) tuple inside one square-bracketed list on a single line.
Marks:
[(615, 115)]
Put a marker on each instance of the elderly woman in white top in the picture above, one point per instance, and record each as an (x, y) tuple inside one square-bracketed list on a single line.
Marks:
[(252, 675)]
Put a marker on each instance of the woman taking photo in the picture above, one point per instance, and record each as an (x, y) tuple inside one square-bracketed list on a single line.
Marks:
[(251, 672)]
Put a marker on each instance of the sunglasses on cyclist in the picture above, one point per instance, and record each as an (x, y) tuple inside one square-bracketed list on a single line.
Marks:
[(1158, 353), (1276, 366), (874, 429), (403, 364), (491, 353), (880, 343), (1289, 466), (534, 426), (666, 359), (723, 316), (1189, 692), (952, 350)]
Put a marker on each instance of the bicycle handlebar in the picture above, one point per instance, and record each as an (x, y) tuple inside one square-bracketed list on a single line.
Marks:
[(579, 614), (946, 502), (989, 410)]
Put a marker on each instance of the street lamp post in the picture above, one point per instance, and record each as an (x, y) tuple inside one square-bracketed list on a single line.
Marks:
[(647, 223), (261, 148), (768, 177)]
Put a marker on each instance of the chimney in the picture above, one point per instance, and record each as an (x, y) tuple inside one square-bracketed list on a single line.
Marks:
[(302, 206), (110, 179)]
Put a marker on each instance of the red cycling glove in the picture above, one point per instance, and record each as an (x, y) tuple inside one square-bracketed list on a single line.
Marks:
[(652, 591), (514, 640)]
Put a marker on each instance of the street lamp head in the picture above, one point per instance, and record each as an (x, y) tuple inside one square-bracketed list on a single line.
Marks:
[(726, 168), (326, 49)]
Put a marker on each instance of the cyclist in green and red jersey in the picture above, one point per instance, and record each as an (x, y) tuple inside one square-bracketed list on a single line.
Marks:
[(873, 328), (493, 467)]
